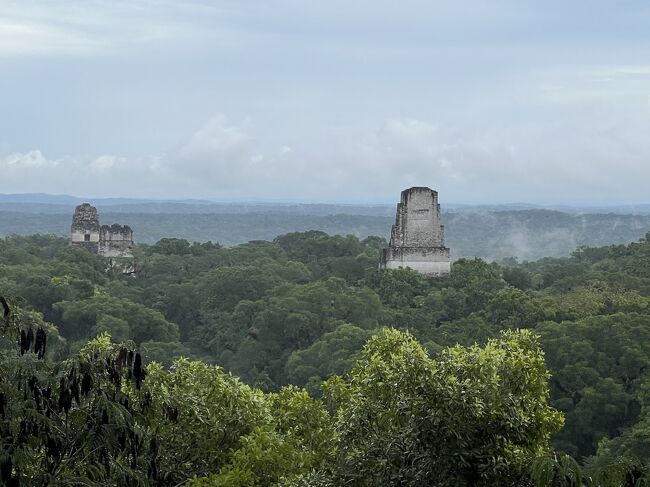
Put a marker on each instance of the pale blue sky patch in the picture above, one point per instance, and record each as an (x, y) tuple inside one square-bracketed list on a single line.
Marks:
[(500, 101)]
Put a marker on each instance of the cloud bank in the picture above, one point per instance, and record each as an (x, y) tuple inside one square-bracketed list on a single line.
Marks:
[(333, 101), (225, 159)]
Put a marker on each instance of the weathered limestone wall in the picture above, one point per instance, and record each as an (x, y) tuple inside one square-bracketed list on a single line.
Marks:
[(417, 223), (87, 236), (417, 238), (116, 240), (428, 261), (108, 240), (117, 233), (113, 250), (85, 228)]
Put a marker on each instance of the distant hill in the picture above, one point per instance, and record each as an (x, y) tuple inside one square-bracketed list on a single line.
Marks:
[(65, 205), (492, 234), (48, 203)]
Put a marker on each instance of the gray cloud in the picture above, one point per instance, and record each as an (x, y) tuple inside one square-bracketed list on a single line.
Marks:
[(567, 160), (488, 102)]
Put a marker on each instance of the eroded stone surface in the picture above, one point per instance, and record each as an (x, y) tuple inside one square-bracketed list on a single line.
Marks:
[(107, 240), (417, 238)]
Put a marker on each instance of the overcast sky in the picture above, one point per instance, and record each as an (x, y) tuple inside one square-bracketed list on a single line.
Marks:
[(487, 101)]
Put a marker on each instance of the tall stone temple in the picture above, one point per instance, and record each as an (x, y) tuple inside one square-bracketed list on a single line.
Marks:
[(107, 240), (417, 238)]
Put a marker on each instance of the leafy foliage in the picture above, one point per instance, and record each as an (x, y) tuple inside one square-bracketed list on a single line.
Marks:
[(472, 417), (298, 310)]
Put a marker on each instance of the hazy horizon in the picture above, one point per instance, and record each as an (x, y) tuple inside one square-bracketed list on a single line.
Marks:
[(73, 198)]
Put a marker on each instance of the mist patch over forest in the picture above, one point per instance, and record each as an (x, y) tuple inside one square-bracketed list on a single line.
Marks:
[(492, 233)]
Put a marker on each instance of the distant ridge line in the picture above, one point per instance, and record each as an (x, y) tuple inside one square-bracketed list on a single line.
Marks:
[(61, 203)]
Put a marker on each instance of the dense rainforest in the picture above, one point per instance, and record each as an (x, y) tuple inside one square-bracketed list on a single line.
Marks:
[(295, 362)]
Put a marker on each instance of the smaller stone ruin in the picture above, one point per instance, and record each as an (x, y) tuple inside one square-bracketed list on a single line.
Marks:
[(417, 238), (107, 240), (115, 240)]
